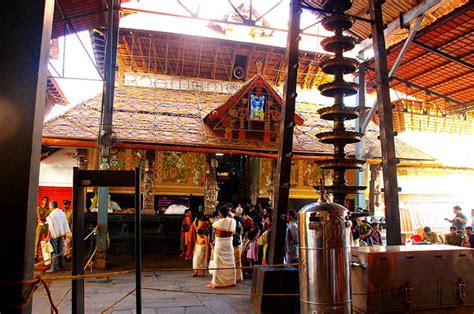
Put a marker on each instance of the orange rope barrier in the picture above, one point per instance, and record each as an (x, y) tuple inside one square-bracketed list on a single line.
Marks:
[(44, 279), (116, 302)]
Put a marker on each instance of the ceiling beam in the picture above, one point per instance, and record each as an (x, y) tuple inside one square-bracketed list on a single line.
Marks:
[(423, 8), (443, 54)]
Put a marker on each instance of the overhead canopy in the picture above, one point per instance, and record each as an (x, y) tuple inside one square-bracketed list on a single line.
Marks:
[(72, 16), (438, 68)]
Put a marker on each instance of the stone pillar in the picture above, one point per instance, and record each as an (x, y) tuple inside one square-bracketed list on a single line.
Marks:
[(149, 191), (271, 184), (254, 179), (211, 190), (374, 188), (26, 34)]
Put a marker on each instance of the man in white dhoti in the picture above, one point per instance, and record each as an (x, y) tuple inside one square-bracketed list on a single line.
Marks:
[(223, 256)]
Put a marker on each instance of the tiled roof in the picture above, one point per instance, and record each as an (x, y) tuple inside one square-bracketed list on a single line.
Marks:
[(175, 117)]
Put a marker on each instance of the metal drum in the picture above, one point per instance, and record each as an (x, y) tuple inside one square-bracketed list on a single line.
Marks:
[(324, 234)]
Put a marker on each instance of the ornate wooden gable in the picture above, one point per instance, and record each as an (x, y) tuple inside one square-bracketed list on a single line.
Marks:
[(253, 113)]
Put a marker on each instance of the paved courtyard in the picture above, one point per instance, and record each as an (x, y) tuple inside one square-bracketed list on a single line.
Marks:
[(102, 292)]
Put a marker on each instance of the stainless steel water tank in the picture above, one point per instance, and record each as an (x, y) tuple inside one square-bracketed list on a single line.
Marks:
[(324, 268)]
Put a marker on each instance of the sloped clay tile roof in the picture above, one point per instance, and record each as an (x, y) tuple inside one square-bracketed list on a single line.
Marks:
[(176, 118)]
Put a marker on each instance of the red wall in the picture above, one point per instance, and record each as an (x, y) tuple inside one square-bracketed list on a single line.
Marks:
[(55, 194)]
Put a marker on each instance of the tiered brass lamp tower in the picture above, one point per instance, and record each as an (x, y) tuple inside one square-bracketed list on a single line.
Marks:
[(337, 22)]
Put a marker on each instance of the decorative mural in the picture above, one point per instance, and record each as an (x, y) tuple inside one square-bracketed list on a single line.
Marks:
[(180, 173), (304, 175), (174, 173), (183, 173)]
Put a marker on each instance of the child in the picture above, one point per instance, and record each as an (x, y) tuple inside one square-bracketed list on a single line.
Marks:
[(200, 254)]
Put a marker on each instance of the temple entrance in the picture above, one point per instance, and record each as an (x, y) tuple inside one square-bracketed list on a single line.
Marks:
[(234, 179)]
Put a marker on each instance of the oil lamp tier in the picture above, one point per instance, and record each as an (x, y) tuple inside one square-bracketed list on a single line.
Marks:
[(340, 163), (336, 65), (344, 189), (338, 113), (340, 137), (336, 43), (336, 22), (338, 88)]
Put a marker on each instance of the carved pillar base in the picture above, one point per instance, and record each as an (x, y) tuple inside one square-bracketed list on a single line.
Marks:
[(211, 190), (149, 191)]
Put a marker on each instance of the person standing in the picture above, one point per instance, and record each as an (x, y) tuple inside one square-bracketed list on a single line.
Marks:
[(237, 243), (223, 262), (67, 242), (42, 212), (185, 226), (453, 237), (58, 229), (291, 239), (264, 240), (459, 221), (200, 254), (252, 247), (376, 236), (365, 232)]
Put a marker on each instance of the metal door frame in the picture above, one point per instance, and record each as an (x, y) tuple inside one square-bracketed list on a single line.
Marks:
[(95, 178)]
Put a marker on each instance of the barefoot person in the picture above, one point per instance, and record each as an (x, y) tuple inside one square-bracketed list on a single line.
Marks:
[(58, 229), (200, 255), (223, 251)]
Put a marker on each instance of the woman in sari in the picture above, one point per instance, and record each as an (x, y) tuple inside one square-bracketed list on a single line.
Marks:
[(199, 223), (223, 257)]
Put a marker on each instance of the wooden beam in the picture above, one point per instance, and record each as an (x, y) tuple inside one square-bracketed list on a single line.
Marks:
[(285, 150), (424, 7), (387, 140)]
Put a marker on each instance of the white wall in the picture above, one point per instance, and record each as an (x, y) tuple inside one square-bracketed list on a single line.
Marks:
[(56, 170)]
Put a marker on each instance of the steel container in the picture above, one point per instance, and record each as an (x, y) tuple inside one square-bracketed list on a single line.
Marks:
[(425, 278), (325, 273)]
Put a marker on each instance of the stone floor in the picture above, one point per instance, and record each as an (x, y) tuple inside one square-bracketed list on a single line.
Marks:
[(102, 292)]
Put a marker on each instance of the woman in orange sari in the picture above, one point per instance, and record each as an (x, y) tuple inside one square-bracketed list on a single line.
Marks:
[(199, 223)]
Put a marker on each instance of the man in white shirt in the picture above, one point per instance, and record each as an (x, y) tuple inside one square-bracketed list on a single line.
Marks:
[(58, 228)]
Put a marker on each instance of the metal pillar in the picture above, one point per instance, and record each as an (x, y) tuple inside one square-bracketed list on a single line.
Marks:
[(138, 244), (102, 227), (389, 159), (360, 146), (106, 134), (285, 149), (78, 203), (26, 34)]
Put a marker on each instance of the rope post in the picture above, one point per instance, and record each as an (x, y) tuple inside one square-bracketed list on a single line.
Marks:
[(77, 244), (138, 243)]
